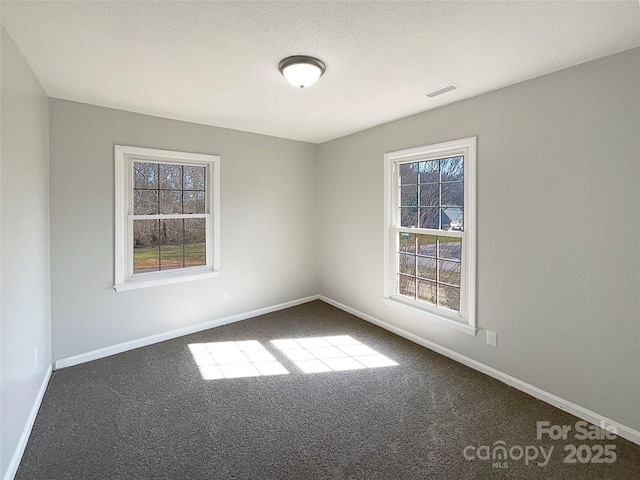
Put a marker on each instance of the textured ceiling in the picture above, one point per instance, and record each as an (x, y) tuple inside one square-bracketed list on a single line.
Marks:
[(216, 62)]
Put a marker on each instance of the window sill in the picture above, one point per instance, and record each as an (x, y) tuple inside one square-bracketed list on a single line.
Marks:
[(155, 281), (396, 302)]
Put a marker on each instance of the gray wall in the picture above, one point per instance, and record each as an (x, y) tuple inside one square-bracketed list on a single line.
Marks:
[(558, 226), (268, 247), (25, 320)]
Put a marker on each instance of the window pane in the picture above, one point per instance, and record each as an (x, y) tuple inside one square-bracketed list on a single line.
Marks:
[(195, 247), (427, 245), (194, 202), (430, 171), (451, 219), (171, 231), (440, 185), (427, 291), (171, 256), (407, 263), (145, 175), (430, 195), (171, 240), (449, 272), (170, 201), (449, 297), (170, 176), (195, 254), (407, 242), (429, 217), (451, 169), (427, 268), (194, 230), (408, 173), (145, 245), (145, 202), (452, 194), (407, 286), (449, 248), (194, 178), (409, 217), (409, 196)]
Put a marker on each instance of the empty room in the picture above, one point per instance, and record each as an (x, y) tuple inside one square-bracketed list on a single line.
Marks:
[(319, 240)]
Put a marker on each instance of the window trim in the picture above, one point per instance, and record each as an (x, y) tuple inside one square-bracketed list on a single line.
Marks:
[(466, 320), (124, 276)]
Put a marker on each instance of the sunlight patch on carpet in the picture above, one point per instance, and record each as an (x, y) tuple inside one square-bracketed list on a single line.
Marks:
[(247, 358), (330, 354)]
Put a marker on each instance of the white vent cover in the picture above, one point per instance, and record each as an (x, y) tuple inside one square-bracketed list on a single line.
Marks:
[(442, 90)]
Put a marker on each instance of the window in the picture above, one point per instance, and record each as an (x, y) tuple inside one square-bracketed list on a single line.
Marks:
[(167, 221), (430, 231)]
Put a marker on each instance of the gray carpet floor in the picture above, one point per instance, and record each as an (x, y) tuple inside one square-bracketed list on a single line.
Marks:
[(149, 414)]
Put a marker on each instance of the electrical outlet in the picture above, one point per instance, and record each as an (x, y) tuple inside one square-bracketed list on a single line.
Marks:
[(492, 338), (225, 297)]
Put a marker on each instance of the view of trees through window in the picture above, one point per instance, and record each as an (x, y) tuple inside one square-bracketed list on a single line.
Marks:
[(169, 228), (431, 194), (429, 269), (431, 197)]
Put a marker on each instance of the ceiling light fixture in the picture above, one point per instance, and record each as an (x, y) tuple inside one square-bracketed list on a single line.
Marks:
[(301, 71)]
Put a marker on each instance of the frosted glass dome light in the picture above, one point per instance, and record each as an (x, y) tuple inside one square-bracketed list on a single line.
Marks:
[(301, 71)]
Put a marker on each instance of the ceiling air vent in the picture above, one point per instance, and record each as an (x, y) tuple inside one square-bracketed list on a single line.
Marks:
[(440, 91)]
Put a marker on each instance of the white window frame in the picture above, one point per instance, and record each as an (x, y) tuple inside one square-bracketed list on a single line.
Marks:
[(125, 156), (465, 320)]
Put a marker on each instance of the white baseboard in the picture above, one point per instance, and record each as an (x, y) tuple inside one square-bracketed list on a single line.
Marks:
[(570, 407), (26, 432), (161, 337)]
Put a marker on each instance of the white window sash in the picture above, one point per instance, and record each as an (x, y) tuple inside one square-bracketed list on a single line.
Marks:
[(208, 266), (438, 309)]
